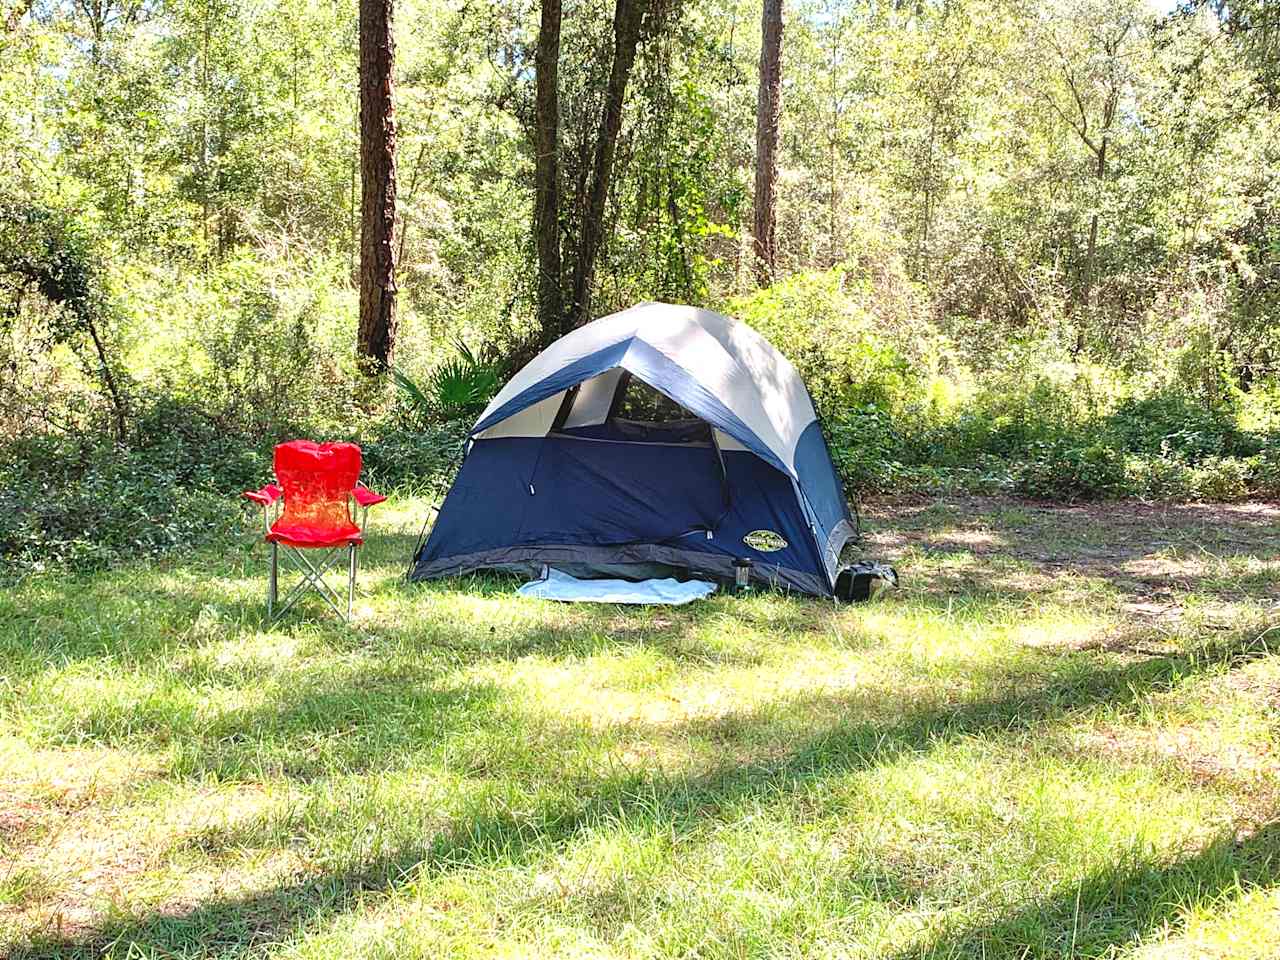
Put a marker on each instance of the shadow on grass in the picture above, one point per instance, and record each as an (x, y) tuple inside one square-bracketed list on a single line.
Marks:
[(1116, 905), (387, 709), (1139, 549)]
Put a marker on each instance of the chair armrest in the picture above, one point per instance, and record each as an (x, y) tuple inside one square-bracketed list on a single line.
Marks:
[(266, 496), (366, 497)]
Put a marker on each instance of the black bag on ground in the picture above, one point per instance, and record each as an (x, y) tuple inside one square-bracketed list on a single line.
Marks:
[(859, 582)]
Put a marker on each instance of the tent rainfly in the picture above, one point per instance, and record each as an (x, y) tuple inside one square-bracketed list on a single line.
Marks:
[(555, 474)]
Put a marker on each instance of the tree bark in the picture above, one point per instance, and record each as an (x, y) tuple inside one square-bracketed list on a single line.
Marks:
[(546, 213), (377, 333), (1091, 249), (118, 405), (768, 123), (628, 17)]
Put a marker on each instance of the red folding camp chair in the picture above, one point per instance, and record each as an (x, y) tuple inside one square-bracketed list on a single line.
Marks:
[(319, 486)]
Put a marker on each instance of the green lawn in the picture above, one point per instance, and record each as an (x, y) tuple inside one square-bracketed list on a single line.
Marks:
[(1060, 738)]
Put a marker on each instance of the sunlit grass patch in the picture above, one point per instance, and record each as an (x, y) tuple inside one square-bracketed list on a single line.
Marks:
[(1240, 924), (22, 886), (1062, 628), (1008, 754)]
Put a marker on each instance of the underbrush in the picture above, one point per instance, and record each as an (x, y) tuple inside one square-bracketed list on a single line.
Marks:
[(1161, 447), (250, 355), (907, 409), (87, 501), (253, 355), (77, 504)]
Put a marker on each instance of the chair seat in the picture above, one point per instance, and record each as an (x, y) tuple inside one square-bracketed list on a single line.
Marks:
[(316, 500), (300, 535)]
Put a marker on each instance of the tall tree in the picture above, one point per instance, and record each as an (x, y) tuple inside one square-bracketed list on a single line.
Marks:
[(546, 216), (377, 334), (628, 18), (1095, 74), (1253, 28), (768, 123), (580, 239)]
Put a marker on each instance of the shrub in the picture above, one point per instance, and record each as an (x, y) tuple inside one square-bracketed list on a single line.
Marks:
[(261, 349), (1061, 430), (1224, 478), (865, 447), (458, 388), (1062, 471), (418, 458), (1171, 424), (1266, 478), (70, 504), (845, 353), (202, 451), (1027, 403), (1160, 478), (49, 252)]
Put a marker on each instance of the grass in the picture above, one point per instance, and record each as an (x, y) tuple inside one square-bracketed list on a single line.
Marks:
[(1057, 740)]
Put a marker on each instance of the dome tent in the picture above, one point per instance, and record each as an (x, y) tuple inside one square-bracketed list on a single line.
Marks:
[(555, 475)]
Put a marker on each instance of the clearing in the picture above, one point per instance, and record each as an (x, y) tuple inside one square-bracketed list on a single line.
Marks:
[(1060, 738)]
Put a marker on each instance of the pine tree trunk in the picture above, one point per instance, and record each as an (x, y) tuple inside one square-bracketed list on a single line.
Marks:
[(377, 334), (546, 214), (628, 18), (768, 123)]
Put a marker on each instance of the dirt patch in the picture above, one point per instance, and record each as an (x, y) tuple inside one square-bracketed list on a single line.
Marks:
[(1202, 753), (18, 815), (1153, 554)]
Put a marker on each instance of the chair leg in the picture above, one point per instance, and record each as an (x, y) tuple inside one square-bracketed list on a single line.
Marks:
[(351, 580), (313, 578), (273, 580)]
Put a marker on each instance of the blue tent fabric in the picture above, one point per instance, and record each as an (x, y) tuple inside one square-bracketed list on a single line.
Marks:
[(750, 478), (568, 376), (824, 493)]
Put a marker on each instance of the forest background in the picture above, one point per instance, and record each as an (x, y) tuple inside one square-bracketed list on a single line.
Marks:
[(1020, 247)]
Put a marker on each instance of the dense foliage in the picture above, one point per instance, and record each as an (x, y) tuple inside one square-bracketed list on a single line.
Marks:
[(1025, 247)]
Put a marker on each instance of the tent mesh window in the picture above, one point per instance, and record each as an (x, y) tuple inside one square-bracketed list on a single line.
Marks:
[(639, 402)]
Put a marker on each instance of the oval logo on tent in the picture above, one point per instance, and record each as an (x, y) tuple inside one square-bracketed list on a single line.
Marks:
[(766, 541)]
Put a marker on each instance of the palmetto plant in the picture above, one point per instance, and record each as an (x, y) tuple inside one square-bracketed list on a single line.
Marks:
[(459, 387)]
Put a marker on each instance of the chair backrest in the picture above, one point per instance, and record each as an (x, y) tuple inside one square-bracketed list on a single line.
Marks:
[(317, 479)]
